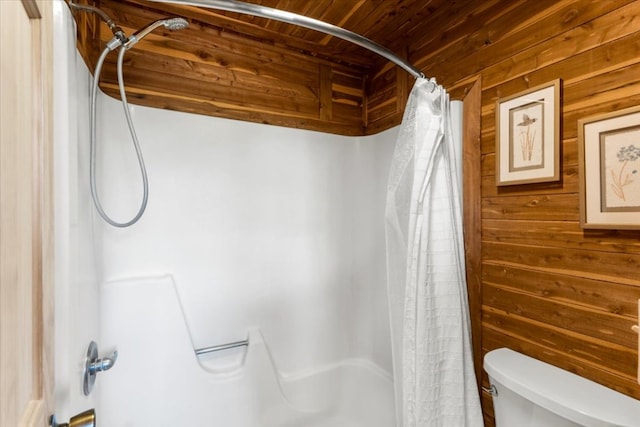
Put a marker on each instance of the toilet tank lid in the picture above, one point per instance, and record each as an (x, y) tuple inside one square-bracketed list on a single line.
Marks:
[(561, 392)]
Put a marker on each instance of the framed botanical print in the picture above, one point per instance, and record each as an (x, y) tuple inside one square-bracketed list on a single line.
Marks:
[(609, 153), (528, 136)]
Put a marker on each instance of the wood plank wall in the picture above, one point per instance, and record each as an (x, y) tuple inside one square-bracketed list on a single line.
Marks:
[(213, 68), (550, 289)]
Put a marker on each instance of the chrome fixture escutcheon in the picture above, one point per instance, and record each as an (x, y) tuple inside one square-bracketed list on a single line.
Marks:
[(93, 365)]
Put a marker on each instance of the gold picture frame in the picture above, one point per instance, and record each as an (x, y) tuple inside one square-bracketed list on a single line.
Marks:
[(609, 161), (528, 136)]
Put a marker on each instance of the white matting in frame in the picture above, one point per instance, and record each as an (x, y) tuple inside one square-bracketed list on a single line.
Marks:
[(609, 151), (528, 136)]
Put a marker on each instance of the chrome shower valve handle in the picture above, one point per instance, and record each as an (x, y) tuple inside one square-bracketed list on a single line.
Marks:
[(93, 365), (103, 364)]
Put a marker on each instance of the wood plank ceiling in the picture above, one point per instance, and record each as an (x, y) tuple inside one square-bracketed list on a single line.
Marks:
[(249, 68)]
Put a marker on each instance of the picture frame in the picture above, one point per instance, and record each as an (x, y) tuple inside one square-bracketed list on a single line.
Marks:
[(528, 136), (609, 162)]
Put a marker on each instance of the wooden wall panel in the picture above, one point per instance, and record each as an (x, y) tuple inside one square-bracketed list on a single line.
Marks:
[(472, 215), (222, 66)]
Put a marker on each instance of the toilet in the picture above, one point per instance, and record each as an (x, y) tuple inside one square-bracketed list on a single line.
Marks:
[(530, 393)]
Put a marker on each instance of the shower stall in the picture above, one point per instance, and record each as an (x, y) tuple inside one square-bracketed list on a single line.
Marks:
[(267, 238)]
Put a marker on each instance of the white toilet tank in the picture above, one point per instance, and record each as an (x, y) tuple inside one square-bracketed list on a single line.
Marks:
[(531, 393)]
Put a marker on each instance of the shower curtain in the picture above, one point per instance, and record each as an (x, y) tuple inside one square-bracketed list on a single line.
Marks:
[(430, 328)]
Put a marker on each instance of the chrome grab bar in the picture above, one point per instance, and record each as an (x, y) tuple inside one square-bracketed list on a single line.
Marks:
[(221, 347)]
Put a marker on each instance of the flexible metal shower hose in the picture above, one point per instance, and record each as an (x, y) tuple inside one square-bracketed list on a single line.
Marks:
[(136, 144)]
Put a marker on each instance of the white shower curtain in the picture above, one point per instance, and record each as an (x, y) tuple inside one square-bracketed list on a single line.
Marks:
[(432, 357)]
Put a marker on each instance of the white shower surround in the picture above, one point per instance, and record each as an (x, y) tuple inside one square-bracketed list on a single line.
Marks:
[(75, 274), (261, 227), (171, 386)]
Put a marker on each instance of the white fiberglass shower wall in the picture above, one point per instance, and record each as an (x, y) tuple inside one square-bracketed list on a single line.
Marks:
[(76, 277), (259, 226), (269, 233), (251, 231)]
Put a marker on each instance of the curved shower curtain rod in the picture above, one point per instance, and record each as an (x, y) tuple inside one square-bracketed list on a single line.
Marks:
[(303, 21)]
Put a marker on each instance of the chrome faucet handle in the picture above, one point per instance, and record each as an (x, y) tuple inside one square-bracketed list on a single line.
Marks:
[(94, 364), (102, 364)]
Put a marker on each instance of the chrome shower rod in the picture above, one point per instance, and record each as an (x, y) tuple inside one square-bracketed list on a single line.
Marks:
[(303, 21)]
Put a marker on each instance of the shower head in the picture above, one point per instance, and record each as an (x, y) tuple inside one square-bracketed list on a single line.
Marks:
[(175, 23), (170, 23)]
